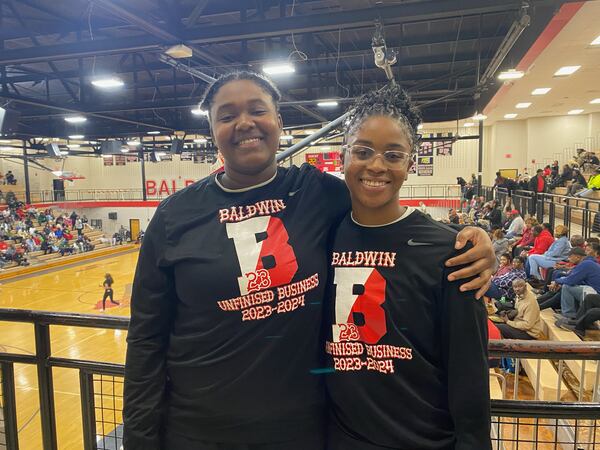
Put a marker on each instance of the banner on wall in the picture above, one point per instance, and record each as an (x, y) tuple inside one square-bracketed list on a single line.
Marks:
[(187, 156), (108, 160), (444, 148), (425, 166), (120, 160), (426, 149), (132, 158), (325, 162)]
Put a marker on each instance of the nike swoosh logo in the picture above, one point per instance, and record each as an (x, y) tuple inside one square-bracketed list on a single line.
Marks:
[(412, 243), (292, 193)]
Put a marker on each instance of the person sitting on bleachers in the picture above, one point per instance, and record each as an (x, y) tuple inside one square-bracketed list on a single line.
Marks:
[(501, 284), (516, 226), (64, 248), (558, 251), (593, 185), (499, 243), (577, 183), (524, 322), (543, 239), (583, 279), (587, 315), (565, 176), (10, 178)]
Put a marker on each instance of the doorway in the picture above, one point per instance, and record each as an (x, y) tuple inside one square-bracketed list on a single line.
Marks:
[(134, 228)]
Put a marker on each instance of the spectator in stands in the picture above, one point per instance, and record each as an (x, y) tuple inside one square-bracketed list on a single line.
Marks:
[(587, 314), (547, 171), (543, 239), (558, 251), (517, 225), (493, 215), (525, 321), (582, 280), (468, 197), (527, 239), (565, 176), (501, 284), (538, 183), (10, 178), (73, 218), (453, 216), (79, 226), (592, 185), (577, 183), (523, 182), (499, 243)]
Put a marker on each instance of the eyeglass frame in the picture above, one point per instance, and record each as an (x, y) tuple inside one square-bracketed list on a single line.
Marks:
[(347, 147)]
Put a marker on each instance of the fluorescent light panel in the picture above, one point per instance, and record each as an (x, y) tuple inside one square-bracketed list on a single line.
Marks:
[(511, 74), (523, 105), (541, 91), (153, 132), (510, 116), (596, 41), (278, 69), (596, 101), (76, 136), (199, 112), (327, 104), (479, 117), (108, 83), (75, 119), (575, 111), (566, 71)]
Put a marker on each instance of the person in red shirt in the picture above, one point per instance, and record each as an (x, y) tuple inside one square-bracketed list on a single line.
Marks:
[(543, 241), (3, 246)]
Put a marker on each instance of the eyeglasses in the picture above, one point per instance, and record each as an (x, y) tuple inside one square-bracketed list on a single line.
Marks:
[(392, 159)]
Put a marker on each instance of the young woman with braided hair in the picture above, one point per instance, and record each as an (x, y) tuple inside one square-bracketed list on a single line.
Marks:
[(224, 343), (408, 349)]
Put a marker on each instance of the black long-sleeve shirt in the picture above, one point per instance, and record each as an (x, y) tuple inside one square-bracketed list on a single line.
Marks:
[(408, 349), (226, 312)]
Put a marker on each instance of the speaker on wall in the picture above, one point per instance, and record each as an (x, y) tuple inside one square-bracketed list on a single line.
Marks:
[(111, 147), (53, 150), (9, 121), (112, 215)]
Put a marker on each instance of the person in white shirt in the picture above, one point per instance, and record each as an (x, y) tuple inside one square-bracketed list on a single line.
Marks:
[(516, 226)]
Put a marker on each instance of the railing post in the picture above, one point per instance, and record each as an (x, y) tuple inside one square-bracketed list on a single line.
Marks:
[(88, 414), (46, 386), (9, 404)]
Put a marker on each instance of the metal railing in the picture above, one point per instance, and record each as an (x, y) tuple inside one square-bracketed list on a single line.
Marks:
[(515, 421), (447, 191), (553, 208)]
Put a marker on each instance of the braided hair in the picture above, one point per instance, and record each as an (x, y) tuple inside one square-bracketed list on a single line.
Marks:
[(390, 101), (261, 80)]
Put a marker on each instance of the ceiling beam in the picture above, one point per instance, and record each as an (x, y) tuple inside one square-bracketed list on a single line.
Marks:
[(196, 13), (266, 28)]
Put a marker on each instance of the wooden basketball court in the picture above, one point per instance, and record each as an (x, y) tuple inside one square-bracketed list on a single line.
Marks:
[(76, 289)]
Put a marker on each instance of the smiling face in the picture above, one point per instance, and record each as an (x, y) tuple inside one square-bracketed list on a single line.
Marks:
[(246, 127), (373, 185)]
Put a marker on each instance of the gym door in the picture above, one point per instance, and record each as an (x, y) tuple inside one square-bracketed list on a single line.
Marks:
[(134, 228)]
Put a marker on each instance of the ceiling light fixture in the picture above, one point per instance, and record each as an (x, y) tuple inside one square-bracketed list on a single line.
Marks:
[(327, 104), (575, 111), (124, 150), (511, 74), (199, 112), (468, 124), (523, 105), (566, 71), (179, 51), (596, 101), (596, 41), (75, 119), (108, 83), (153, 132), (510, 116), (479, 117), (541, 91), (76, 136), (278, 69)]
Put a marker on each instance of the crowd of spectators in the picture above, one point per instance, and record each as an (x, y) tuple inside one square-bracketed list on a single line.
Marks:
[(24, 229)]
